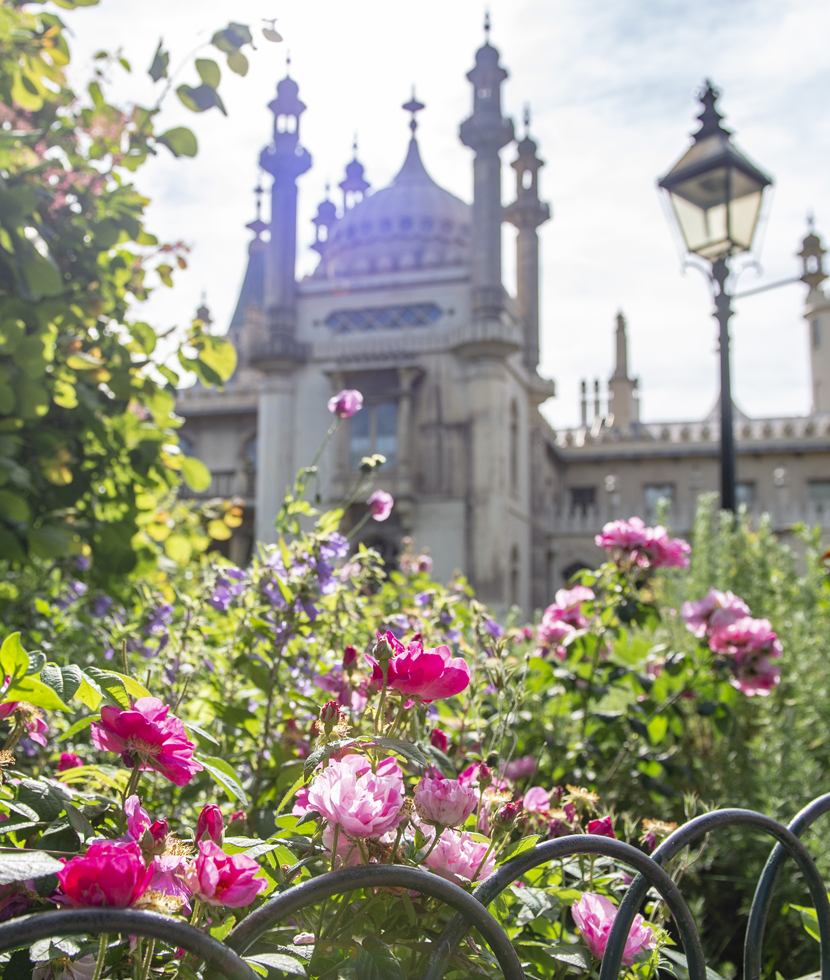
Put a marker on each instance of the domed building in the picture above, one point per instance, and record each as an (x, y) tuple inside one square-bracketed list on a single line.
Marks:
[(407, 306)]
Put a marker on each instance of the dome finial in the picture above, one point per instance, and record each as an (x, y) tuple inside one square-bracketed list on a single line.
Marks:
[(710, 119), (288, 62), (487, 26), (258, 226), (526, 119), (413, 106)]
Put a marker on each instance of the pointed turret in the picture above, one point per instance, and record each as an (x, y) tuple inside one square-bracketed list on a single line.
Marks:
[(817, 315), (486, 132), (285, 159), (625, 405), (355, 185), (323, 221), (527, 212), (251, 294)]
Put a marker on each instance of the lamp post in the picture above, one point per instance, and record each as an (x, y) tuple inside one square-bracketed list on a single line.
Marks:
[(716, 195)]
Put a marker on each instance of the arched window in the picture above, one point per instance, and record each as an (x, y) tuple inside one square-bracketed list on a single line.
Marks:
[(514, 448)]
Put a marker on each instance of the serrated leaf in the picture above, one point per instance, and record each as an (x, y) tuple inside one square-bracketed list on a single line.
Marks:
[(278, 961), (111, 685), (574, 955), (407, 749), (26, 864), (323, 752), (46, 799), (79, 823), (64, 681), (224, 775)]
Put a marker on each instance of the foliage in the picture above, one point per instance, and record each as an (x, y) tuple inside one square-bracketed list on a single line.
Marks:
[(87, 430)]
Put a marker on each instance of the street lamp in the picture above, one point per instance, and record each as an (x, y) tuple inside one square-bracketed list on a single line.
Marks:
[(716, 196)]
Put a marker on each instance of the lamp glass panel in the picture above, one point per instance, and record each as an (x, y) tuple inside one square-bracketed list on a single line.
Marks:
[(743, 217), (704, 230)]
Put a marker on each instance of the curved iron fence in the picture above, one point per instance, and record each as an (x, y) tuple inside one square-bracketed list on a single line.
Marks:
[(226, 959)]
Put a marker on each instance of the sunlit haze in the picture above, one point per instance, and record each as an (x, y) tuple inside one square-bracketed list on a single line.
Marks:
[(611, 86)]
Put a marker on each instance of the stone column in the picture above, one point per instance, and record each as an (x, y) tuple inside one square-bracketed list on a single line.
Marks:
[(275, 455), (406, 379)]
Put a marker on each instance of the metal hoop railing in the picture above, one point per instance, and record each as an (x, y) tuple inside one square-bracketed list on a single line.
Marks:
[(225, 959)]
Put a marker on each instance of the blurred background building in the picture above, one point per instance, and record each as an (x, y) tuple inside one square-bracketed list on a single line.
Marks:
[(407, 304)]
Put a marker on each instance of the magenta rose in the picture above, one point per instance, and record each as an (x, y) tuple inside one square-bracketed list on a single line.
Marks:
[(210, 824), (345, 404), (223, 879), (426, 674), (520, 768), (69, 760), (602, 827), (361, 802), (109, 874), (444, 802), (380, 505), (27, 715), (439, 739), (594, 916), (145, 736)]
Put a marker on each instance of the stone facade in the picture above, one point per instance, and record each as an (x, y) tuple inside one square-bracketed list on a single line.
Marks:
[(407, 305)]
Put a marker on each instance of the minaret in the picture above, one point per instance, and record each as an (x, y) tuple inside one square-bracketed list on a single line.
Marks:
[(625, 405), (285, 160), (486, 132), (817, 315), (323, 221), (355, 185), (527, 212)]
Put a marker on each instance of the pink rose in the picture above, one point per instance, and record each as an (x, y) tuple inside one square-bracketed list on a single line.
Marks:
[(144, 735), (426, 674), (715, 610), (536, 800), (30, 717), (380, 505), (210, 824), (520, 768), (349, 656), (109, 874), (223, 879), (360, 802), (746, 635), (69, 760), (139, 823), (755, 675), (602, 827), (666, 552), (625, 535), (649, 547), (458, 855), (345, 404), (423, 564), (568, 603), (444, 802), (169, 874), (594, 916)]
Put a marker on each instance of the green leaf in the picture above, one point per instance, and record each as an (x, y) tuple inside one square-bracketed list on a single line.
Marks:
[(79, 823), (178, 548), (32, 399), (224, 775), (196, 475), (209, 71), (323, 752), (161, 59), (26, 864), (232, 38), (143, 335), (278, 961), (14, 661), (271, 35), (657, 728), (13, 507), (573, 955), (50, 540), (525, 844), (89, 694), (377, 961), (43, 278), (46, 799), (119, 687), (295, 788), (200, 732), (219, 355), (180, 141), (200, 99), (64, 681), (41, 696), (237, 62), (406, 749), (79, 726)]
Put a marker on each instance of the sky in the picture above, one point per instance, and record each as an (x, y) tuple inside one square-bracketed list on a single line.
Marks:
[(611, 87)]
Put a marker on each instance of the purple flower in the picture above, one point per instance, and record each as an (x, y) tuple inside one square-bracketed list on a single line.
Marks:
[(334, 546), (493, 628), (100, 606), (307, 606), (423, 598), (159, 619), (346, 403), (82, 563), (380, 505), (273, 593), (221, 598)]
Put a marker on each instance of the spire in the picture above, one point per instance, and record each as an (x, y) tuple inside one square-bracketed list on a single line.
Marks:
[(258, 226), (487, 26), (323, 221), (621, 367), (624, 406), (413, 106), (812, 257), (355, 185), (710, 119)]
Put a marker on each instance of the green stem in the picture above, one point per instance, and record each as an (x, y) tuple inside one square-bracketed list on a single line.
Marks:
[(382, 705), (148, 959), (438, 831), (359, 525), (332, 429), (398, 717), (334, 845), (102, 952)]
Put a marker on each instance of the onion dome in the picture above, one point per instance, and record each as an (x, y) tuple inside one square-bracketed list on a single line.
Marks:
[(412, 224)]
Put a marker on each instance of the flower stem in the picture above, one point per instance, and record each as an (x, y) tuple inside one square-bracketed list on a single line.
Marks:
[(382, 705), (334, 846), (102, 952), (148, 959)]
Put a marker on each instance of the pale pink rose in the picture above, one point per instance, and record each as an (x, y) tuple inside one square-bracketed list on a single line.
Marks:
[(536, 800), (569, 603), (423, 564), (457, 855), (649, 547), (224, 879), (362, 803), (746, 635), (520, 768), (169, 876), (625, 535), (425, 674), (754, 674), (552, 631), (444, 802), (345, 404), (716, 609), (594, 916), (666, 552), (380, 505)]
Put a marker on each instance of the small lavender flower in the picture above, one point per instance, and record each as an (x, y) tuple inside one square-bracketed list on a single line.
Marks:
[(493, 628), (100, 606)]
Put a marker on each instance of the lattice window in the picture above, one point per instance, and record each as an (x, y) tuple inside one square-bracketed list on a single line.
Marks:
[(384, 318)]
